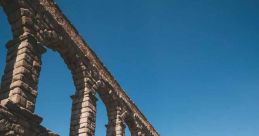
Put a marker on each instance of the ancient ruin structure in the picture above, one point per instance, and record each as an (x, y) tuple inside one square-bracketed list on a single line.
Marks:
[(40, 24)]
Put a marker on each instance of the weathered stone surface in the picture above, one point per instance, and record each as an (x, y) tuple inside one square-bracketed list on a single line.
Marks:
[(40, 22), (15, 121)]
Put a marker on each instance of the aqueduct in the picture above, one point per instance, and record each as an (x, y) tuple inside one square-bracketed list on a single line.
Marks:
[(40, 24)]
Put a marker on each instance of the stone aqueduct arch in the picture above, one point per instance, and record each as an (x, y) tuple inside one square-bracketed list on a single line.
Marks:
[(37, 24)]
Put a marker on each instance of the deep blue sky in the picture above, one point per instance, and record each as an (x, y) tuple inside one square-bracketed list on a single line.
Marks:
[(191, 66)]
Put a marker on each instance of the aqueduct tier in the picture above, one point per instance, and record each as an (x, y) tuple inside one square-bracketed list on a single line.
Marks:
[(40, 24)]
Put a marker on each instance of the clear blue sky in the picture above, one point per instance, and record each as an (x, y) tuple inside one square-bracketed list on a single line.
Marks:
[(191, 66)]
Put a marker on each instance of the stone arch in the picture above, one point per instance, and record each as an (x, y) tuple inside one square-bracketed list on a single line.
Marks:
[(114, 109), (31, 34), (40, 24), (84, 74)]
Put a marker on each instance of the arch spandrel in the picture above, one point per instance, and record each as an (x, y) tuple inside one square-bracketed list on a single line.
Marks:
[(40, 24)]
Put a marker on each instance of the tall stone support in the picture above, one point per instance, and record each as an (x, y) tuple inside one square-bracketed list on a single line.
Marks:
[(23, 64), (83, 114), (116, 126)]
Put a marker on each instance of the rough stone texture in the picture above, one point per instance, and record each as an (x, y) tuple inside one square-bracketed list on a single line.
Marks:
[(37, 24), (19, 82), (115, 126), (17, 121)]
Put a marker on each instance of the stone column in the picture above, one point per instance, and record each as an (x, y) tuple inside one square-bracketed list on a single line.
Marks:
[(115, 126), (83, 113), (20, 79), (140, 133)]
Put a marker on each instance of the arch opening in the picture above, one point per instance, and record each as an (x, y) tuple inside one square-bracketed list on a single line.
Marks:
[(115, 110), (101, 117), (54, 90), (5, 35), (127, 131)]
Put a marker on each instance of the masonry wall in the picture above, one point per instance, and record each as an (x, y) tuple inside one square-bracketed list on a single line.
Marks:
[(40, 24)]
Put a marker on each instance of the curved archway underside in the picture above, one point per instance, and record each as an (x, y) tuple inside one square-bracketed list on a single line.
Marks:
[(40, 24)]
